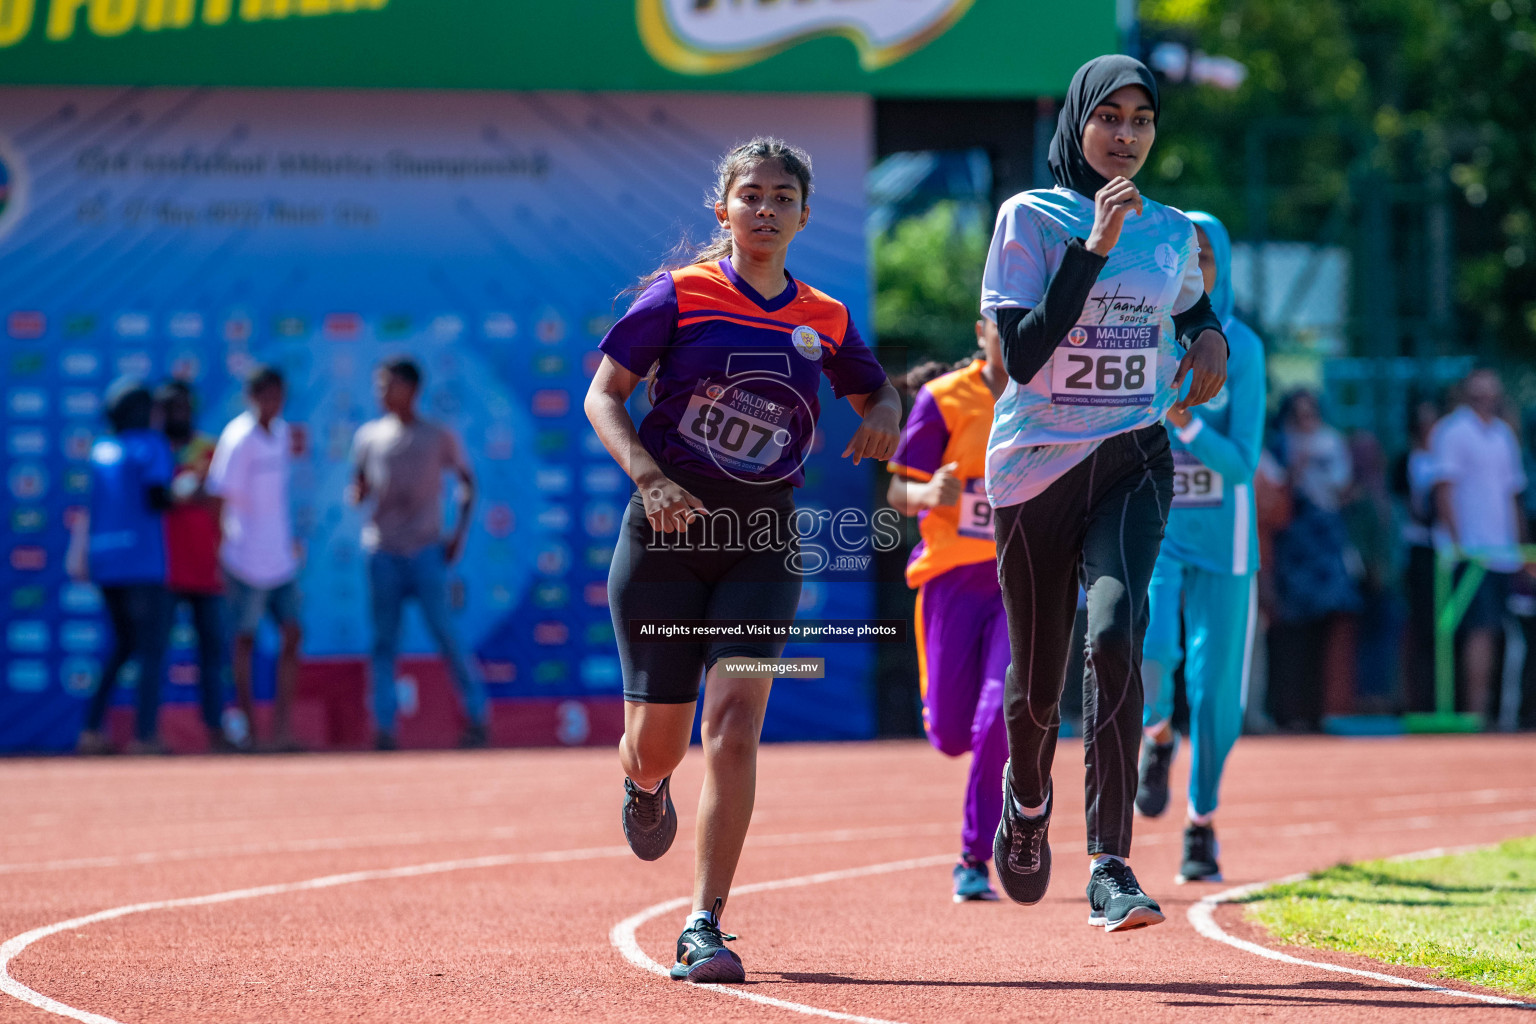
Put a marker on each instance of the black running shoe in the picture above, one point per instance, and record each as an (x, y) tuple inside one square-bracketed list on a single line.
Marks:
[(1200, 852), (702, 956), (1152, 786), (1021, 851), (1115, 900), (650, 820)]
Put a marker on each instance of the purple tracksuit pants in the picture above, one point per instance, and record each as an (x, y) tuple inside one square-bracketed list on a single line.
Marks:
[(962, 650)]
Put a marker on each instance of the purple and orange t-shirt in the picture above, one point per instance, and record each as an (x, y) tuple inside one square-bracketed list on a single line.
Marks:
[(950, 422), (736, 386)]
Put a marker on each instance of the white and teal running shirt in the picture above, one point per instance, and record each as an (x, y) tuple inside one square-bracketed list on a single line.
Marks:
[(1114, 370)]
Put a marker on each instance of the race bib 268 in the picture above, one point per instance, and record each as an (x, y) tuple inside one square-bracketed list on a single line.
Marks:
[(1097, 364)]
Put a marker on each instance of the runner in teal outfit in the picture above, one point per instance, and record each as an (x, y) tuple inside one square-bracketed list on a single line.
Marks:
[(1209, 559)]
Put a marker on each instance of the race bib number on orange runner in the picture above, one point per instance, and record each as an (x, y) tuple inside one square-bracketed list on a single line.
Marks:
[(975, 511), (1096, 364)]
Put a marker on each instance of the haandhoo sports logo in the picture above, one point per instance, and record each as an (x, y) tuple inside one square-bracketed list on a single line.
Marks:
[(13, 187), (708, 37)]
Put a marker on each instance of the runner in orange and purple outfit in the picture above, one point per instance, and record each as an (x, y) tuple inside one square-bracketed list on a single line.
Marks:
[(961, 628)]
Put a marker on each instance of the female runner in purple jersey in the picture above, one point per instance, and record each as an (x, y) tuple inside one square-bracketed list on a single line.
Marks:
[(732, 349)]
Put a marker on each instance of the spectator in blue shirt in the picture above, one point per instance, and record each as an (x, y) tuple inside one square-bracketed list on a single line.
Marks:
[(124, 554)]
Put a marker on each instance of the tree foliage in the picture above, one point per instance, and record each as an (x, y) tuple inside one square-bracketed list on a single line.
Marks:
[(1412, 100), (928, 282)]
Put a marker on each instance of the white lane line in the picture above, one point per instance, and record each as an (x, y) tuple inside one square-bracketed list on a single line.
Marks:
[(623, 934), (13, 947), (423, 839), (1203, 916)]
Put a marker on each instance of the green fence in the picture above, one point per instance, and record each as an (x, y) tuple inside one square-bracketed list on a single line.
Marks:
[(1452, 598)]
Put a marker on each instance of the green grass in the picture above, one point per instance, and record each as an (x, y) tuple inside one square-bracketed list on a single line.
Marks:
[(1471, 916)]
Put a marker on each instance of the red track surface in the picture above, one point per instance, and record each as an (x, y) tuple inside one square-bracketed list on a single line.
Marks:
[(530, 940)]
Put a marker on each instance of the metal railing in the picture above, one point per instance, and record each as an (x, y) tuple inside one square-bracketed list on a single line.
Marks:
[(1452, 599)]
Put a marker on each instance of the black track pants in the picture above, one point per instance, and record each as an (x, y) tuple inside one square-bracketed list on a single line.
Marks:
[(1102, 524)]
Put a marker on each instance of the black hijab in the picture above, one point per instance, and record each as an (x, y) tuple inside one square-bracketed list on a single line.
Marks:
[(1092, 85)]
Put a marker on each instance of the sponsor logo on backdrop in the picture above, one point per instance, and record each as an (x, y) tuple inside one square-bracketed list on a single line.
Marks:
[(27, 676), (109, 21), (26, 441), (27, 636), (28, 519), (552, 479), (78, 675), (28, 599), (238, 327), (342, 326), (81, 636), (500, 326), (80, 325), (556, 518), (552, 633), (186, 366), (553, 559), (132, 325), (135, 364), (81, 403), (13, 187), (551, 402), (604, 480), (24, 325), (29, 558), (25, 364), (708, 37), (185, 325), (27, 402), (28, 481), (80, 364)]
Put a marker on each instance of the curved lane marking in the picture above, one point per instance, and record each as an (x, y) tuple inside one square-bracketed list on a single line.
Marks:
[(623, 934), (1203, 916)]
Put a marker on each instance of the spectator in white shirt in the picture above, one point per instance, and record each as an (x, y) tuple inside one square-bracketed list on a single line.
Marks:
[(249, 474), (1479, 479)]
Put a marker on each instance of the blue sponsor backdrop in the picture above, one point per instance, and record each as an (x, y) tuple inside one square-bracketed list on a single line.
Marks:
[(190, 233)]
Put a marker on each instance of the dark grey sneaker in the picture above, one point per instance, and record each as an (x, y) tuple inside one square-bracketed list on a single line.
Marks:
[(650, 820), (1021, 851), (702, 956), (1200, 851), (1152, 781), (1116, 902)]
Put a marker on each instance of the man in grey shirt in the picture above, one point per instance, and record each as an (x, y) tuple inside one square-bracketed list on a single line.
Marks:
[(399, 461)]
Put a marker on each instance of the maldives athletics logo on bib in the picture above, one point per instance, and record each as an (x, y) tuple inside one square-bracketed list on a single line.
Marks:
[(807, 342), (708, 37), (1077, 336)]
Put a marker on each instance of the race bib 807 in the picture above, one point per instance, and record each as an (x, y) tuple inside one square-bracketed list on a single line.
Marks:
[(1098, 364), (735, 428)]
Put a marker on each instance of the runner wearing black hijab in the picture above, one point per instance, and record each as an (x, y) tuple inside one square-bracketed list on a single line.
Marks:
[(1098, 295)]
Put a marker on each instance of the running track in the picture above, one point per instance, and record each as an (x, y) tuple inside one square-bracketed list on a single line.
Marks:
[(494, 886)]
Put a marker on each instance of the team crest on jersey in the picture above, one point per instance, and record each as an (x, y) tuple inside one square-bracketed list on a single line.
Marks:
[(806, 341), (1077, 336), (1218, 401), (1167, 258)]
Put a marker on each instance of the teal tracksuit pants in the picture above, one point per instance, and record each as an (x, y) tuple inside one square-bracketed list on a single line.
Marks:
[(1219, 612)]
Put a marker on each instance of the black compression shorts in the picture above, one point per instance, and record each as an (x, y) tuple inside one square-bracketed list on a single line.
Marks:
[(713, 572)]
